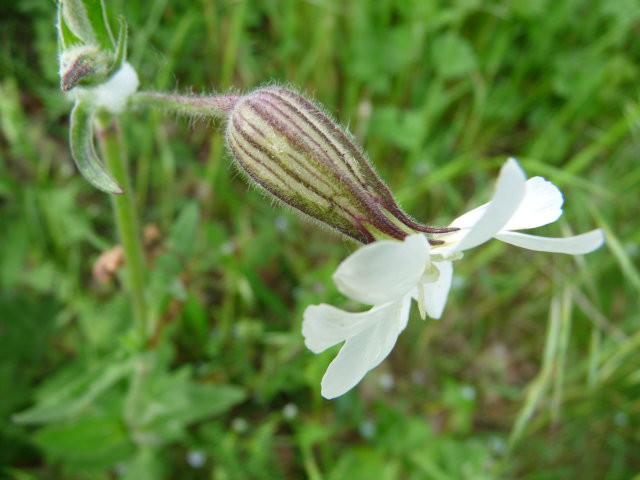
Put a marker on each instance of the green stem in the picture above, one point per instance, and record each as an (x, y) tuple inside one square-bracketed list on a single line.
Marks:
[(110, 141), (213, 107)]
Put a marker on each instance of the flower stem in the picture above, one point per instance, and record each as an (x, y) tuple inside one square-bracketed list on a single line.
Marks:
[(212, 107), (110, 141)]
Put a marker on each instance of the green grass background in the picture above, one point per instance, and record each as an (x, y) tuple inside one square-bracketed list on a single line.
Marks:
[(534, 370)]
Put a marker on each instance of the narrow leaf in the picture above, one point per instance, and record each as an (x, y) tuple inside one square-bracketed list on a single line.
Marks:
[(121, 45), (68, 401), (87, 19), (184, 230), (98, 18), (81, 140), (66, 38), (77, 21)]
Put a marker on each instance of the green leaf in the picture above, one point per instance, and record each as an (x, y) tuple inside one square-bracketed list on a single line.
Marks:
[(87, 19), (82, 149), (76, 19), (453, 57), (90, 441), (98, 17), (403, 127), (165, 281), (70, 399), (184, 230), (26, 327), (121, 45), (172, 401), (146, 465), (18, 474), (66, 38)]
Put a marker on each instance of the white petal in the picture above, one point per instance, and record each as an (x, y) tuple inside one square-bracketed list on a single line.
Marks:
[(577, 245), (395, 322), (383, 271), (365, 350), (510, 189), (436, 293), (542, 204), (469, 219), (324, 326)]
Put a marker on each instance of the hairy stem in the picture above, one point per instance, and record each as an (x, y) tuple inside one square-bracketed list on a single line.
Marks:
[(212, 107), (110, 141)]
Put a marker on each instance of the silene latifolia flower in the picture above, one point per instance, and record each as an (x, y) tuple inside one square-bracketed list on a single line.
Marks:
[(388, 274), (290, 148)]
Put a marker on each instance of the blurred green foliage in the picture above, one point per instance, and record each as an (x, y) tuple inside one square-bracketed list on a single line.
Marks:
[(532, 373)]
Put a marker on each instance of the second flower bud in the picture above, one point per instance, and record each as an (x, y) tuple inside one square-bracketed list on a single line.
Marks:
[(293, 150)]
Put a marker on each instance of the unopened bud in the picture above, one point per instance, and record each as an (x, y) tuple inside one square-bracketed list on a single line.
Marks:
[(85, 65), (292, 149)]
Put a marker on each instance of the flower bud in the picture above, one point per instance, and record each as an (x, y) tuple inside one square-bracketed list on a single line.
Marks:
[(96, 75), (85, 66), (89, 55), (292, 149)]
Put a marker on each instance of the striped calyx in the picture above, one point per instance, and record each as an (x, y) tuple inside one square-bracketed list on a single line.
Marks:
[(293, 150)]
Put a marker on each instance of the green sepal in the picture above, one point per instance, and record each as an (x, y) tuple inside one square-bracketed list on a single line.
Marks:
[(83, 152)]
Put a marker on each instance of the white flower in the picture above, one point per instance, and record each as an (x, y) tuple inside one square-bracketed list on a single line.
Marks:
[(389, 273), (382, 274)]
